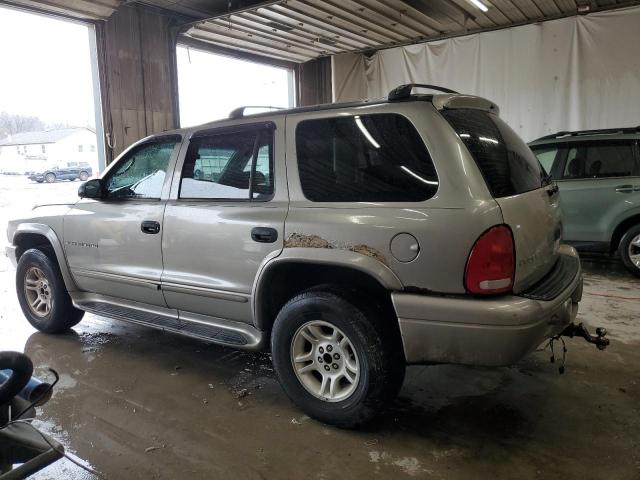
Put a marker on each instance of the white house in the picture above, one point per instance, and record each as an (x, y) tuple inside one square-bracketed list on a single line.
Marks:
[(37, 151)]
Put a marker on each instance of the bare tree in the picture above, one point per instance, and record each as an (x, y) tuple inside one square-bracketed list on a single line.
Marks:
[(10, 124)]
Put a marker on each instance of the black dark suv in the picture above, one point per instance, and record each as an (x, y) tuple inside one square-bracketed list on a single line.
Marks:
[(67, 171)]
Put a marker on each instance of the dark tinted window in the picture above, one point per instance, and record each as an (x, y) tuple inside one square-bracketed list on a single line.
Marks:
[(365, 158), (221, 166), (508, 165), (599, 160)]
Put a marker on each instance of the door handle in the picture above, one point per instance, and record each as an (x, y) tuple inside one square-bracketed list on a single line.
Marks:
[(624, 188), (150, 227), (552, 190), (264, 234)]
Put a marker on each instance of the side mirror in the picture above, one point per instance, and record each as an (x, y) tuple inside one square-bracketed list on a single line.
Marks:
[(91, 189)]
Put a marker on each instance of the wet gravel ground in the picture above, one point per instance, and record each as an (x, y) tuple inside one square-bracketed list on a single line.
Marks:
[(138, 403)]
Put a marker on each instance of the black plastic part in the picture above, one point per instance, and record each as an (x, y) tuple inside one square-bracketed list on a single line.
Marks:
[(22, 445), (21, 368), (580, 330), (404, 91), (559, 278), (604, 131), (150, 227), (264, 234), (553, 190)]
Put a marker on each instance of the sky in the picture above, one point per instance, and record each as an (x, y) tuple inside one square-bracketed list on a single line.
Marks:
[(45, 71), (210, 86), (45, 68)]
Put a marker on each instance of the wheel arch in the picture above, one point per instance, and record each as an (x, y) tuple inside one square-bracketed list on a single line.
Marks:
[(34, 235), (299, 269), (621, 228)]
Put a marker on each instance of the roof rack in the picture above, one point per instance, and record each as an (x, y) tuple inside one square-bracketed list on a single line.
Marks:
[(239, 112), (602, 131), (404, 91)]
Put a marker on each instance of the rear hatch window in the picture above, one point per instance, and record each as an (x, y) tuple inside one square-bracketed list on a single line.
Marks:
[(507, 164)]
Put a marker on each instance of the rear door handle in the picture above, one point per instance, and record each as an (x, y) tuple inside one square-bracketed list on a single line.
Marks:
[(552, 190), (624, 188), (150, 227), (264, 234)]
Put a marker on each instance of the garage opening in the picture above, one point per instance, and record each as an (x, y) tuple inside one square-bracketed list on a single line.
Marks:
[(50, 121), (211, 85)]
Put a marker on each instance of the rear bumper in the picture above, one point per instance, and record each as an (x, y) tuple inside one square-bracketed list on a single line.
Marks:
[(492, 332)]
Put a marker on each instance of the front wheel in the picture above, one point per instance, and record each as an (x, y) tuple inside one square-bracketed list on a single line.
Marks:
[(42, 294), (83, 176), (336, 357), (629, 250), (50, 178)]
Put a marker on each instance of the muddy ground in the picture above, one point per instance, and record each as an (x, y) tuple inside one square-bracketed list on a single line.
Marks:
[(137, 403)]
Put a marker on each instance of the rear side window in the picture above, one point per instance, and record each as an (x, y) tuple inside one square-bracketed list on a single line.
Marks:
[(600, 160), (364, 158), (221, 167), (508, 165)]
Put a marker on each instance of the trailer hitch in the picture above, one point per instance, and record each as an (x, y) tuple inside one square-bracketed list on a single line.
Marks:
[(580, 330)]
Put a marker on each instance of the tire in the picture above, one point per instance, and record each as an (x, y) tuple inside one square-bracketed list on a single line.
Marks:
[(372, 346), (39, 181), (629, 250), (48, 306), (83, 176), (50, 177)]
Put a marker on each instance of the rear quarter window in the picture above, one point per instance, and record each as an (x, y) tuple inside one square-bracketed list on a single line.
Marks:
[(364, 158), (508, 165)]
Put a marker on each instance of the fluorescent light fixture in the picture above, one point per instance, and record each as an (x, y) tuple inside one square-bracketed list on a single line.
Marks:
[(430, 182), (479, 4), (465, 135), (487, 139), (365, 132)]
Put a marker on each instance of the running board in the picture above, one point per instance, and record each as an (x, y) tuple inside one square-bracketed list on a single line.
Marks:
[(212, 329)]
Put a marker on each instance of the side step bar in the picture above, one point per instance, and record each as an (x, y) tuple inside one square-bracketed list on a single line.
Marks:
[(216, 330)]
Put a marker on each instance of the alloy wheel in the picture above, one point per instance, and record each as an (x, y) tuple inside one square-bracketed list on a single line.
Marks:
[(38, 293), (325, 361)]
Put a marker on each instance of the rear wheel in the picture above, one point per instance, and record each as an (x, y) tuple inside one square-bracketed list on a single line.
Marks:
[(84, 176), (336, 357), (629, 250), (50, 178), (42, 294)]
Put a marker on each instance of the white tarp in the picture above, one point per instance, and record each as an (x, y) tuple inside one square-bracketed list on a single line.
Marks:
[(570, 74)]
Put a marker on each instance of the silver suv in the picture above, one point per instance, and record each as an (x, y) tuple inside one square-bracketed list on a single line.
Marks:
[(351, 239)]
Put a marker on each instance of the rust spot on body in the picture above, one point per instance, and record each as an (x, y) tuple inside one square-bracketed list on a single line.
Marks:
[(299, 240)]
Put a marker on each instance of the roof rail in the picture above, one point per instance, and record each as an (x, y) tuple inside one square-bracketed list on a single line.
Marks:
[(404, 91), (239, 112), (601, 131)]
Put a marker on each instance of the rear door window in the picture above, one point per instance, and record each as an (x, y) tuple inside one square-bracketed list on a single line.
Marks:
[(220, 167), (508, 165), (600, 160), (364, 158)]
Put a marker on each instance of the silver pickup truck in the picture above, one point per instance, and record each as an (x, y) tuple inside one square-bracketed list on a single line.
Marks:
[(350, 239)]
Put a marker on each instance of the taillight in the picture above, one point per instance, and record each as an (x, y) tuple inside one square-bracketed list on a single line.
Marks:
[(491, 263)]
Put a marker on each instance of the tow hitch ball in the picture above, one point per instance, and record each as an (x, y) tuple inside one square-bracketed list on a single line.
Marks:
[(580, 330)]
